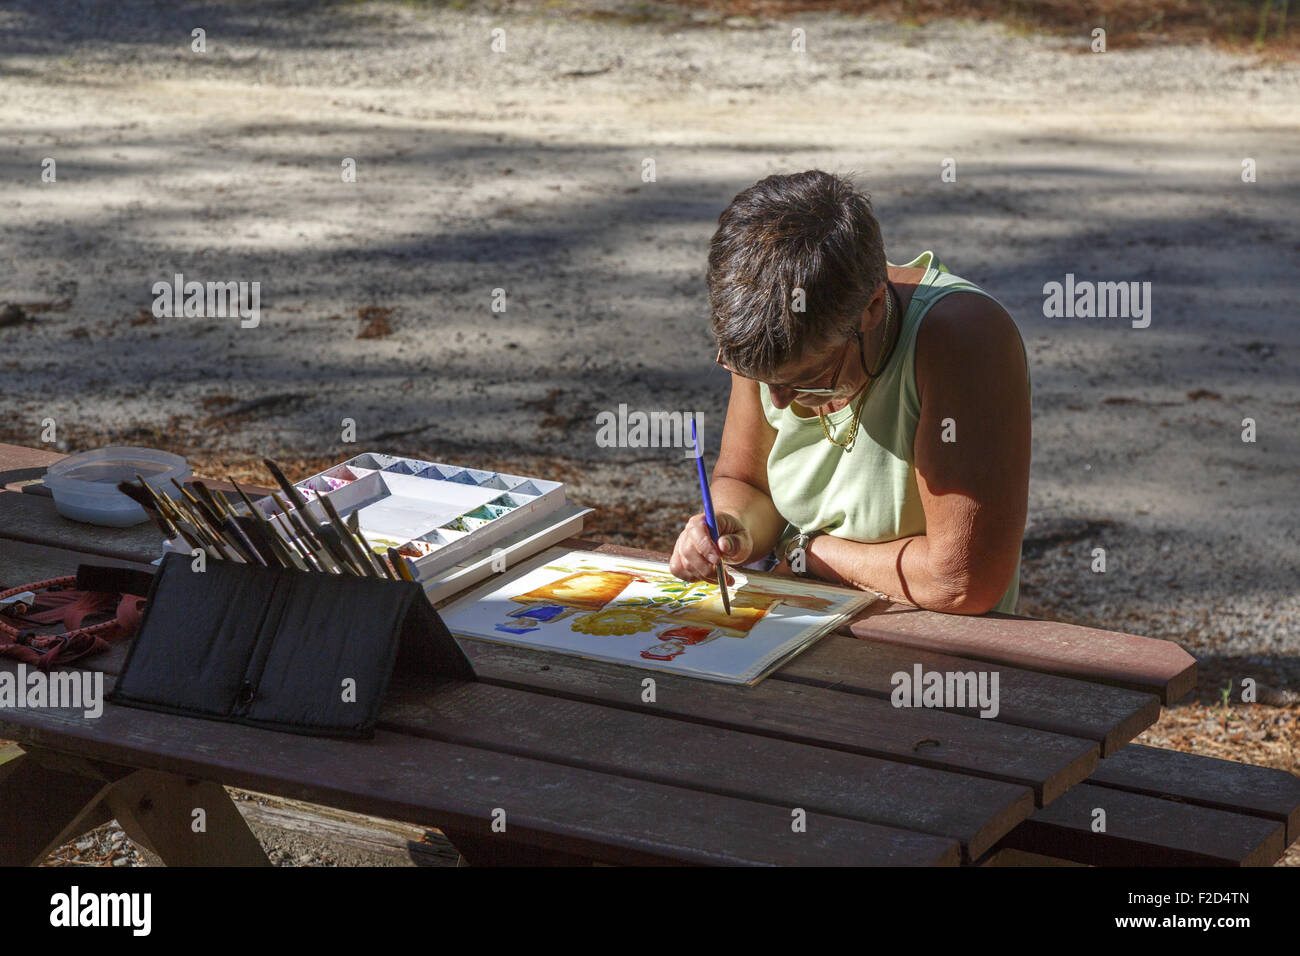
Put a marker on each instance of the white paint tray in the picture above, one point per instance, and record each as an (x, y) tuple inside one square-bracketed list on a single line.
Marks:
[(433, 513)]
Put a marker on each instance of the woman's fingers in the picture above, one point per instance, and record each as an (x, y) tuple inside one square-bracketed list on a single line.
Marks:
[(733, 540), (694, 556)]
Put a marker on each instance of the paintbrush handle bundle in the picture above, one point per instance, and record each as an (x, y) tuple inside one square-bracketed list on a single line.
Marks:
[(434, 515), (374, 515), (295, 538)]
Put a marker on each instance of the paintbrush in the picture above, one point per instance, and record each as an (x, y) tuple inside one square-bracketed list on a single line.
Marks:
[(255, 528), (332, 542), (338, 550), (300, 501), (253, 510), (348, 541), (225, 531), (399, 565), (382, 570), (267, 542), (289, 487), (336, 538), (179, 517), (273, 538), (299, 546), (353, 524), (235, 536), (322, 553), (216, 503), (197, 508), (710, 519), (286, 539), (341, 552), (143, 496), (308, 536), (187, 509), (385, 571), (245, 530)]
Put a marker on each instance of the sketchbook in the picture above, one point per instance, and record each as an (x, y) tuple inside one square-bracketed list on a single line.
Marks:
[(630, 611)]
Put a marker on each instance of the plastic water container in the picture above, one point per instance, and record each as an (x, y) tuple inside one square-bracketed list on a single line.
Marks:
[(85, 485)]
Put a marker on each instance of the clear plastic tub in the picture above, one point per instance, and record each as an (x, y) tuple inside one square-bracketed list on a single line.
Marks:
[(84, 486)]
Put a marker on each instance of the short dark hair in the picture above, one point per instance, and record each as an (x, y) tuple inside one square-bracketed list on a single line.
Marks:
[(812, 231)]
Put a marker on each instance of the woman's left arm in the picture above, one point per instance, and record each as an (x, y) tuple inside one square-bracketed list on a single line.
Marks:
[(971, 454)]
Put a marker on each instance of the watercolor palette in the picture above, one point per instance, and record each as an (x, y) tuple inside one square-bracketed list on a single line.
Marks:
[(433, 513)]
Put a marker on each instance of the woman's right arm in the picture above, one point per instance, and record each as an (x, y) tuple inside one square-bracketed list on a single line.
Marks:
[(748, 521)]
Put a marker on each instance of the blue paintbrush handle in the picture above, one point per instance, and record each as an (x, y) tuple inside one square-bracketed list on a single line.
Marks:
[(709, 518)]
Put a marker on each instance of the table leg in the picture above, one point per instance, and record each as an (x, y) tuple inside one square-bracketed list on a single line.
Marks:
[(184, 822), (47, 798), (41, 809)]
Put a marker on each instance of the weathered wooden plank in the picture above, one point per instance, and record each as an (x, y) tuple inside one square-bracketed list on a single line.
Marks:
[(25, 456), (23, 563), (480, 849), (20, 465), (1124, 660), (1146, 831), (599, 816), (33, 519), (1047, 763), (350, 838), (1205, 781), (974, 811), (1111, 716)]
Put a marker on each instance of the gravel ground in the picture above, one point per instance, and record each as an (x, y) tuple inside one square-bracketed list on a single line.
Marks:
[(521, 170)]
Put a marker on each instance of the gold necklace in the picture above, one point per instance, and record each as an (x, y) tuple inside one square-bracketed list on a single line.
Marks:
[(866, 389)]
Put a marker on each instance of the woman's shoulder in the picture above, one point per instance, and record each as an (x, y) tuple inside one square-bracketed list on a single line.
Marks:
[(968, 330)]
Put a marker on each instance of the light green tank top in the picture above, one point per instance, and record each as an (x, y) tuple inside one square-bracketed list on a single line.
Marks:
[(869, 494)]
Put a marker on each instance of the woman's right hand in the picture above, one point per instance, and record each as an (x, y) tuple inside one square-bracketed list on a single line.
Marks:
[(695, 556)]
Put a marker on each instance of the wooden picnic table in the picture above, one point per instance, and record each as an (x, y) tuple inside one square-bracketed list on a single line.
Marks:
[(583, 769)]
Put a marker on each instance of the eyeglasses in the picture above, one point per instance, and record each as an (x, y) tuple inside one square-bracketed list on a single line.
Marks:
[(820, 391)]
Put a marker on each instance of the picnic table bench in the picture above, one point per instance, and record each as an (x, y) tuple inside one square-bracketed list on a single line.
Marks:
[(811, 766)]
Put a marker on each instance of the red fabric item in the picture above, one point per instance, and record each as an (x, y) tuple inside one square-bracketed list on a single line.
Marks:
[(70, 608)]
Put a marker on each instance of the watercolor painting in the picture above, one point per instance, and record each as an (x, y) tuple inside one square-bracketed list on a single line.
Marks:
[(631, 611)]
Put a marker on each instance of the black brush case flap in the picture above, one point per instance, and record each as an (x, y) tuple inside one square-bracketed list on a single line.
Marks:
[(288, 650)]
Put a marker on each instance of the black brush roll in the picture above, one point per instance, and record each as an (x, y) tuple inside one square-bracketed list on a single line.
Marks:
[(279, 648)]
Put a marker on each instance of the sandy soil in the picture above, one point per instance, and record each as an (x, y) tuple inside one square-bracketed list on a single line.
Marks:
[(521, 170)]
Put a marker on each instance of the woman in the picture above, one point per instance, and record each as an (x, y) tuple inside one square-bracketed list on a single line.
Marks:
[(878, 431)]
